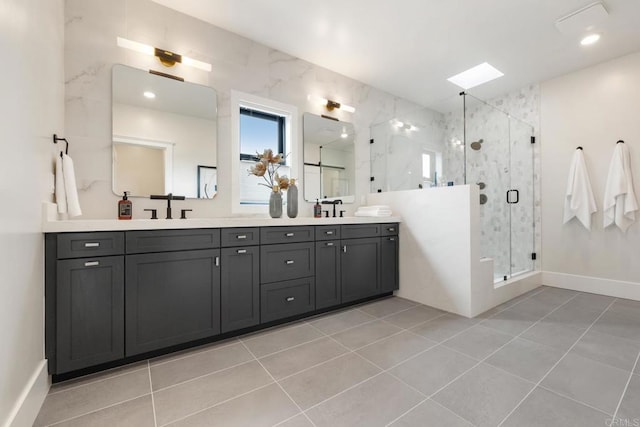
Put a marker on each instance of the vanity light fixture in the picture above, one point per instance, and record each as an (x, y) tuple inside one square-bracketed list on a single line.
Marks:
[(149, 95), (476, 76), (166, 57), (590, 39), (332, 105)]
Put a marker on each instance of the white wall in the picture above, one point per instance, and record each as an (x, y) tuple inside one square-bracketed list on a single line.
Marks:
[(31, 39), (592, 108)]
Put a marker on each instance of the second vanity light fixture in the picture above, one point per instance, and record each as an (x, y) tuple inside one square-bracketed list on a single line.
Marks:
[(331, 105), (166, 57)]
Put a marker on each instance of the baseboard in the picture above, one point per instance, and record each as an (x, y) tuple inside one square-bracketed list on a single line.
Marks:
[(595, 285), (26, 409)]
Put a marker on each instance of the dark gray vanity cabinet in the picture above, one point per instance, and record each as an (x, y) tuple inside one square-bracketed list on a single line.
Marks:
[(171, 298), (360, 268), (328, 275), (240, 287), (389, 254)]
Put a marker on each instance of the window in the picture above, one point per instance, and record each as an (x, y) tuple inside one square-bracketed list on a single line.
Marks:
[(426, 166), (257, 124), (258, 131)]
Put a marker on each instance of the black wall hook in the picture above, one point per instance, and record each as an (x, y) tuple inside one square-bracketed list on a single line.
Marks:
[(55, 141), (620, 142), (579, 148)]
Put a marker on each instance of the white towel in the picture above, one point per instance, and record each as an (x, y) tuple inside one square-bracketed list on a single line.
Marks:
[(66, 190), (579, 201), (374, 214), (620, 201)]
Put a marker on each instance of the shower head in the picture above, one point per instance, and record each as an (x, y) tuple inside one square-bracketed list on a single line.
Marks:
[(476, 145)]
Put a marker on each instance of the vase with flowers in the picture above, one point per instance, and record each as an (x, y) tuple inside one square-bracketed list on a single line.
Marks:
[(267, 167)]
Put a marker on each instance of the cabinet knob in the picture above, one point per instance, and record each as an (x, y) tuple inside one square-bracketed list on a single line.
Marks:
[(289, 299), (241, 236), (92, 245), (290, 234), (241, 251), (91, 263), (289, 262)]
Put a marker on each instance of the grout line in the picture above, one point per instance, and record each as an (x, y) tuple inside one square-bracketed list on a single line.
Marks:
[(289, 419), (626, 387), (153, 403), (280, 386), (97, 380), (202, 376), (96, 410), (557, 393), (407, 411), (560, 360), (288, 348), (272, 330), (193, 352), (344, 391)]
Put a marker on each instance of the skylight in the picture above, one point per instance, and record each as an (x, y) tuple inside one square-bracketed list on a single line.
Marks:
[(476, 76)]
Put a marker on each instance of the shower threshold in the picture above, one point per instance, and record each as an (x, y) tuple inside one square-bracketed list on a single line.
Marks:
[(499, 281)]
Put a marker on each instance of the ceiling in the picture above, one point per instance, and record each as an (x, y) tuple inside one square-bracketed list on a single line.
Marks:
[(410, 47)]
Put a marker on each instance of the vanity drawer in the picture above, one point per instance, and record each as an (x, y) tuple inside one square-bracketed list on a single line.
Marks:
[(172, 240), (356, 231), (78, 245), (230, 237), (327, 232), (285, 262), (390, 229), (286, 299), (274, 235)]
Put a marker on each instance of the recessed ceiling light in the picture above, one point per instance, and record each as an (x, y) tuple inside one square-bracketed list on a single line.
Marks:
[(149, 95), (590, 39), (476, 76)]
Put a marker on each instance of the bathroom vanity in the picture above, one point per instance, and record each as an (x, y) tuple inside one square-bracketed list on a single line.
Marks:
[(118, 294)]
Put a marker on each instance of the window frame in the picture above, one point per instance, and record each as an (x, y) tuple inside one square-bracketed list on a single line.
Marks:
[(280, 121)]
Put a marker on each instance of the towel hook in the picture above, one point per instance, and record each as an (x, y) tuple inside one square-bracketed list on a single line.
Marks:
[(579, 148), (55, 141), (620, 142)]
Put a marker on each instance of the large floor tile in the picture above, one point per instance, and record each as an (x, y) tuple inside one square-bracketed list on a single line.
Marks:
[(197, 364), (300, 420), (314, 385), (263, 407), (365, 334), (510, 321), (192, 351), (177, 402), (295, 359), (526, 359), (536, 307), (334, 323), (395, 349), (137, 412), (484, 396), (414, 316), (478, 342), (609, 349), (98, 376), (387, 306), (268, 343), (596, 384), (627, 308), (373, 403), (543, 408), (93, 396), (554, 335), (444, 327), (556, 295), (430, 413), (433, 369), (620, 325), (630, 406), (574, 314), (594, 301)]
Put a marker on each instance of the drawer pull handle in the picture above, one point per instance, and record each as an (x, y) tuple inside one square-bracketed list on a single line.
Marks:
[(289, 262), (391, 229), (91, 263), (217, 261), (289, 299), (392, 239), (329, 233), (242, 251), (92, 245), (289, 234), (241, 236), (329, 244), (344, 249)]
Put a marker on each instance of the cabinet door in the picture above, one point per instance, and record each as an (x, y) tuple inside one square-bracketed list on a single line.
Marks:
[(360, 265), (389, 264), (172, 298), (90, 312), (328, 274), (240, 291)]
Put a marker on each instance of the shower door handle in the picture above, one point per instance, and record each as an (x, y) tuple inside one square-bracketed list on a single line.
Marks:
[(509, 197)]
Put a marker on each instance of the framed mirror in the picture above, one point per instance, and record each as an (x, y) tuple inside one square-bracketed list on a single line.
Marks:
[(164, 135), (329, 162)]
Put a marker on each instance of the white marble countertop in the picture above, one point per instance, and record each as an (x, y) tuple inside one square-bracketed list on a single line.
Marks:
[(167, 224)]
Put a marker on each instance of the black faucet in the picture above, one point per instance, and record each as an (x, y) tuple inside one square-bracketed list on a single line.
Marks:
[(169, 197), (334, 203)]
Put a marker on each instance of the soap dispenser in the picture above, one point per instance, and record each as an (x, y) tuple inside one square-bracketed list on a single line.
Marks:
[(125, 207), (317, 210)]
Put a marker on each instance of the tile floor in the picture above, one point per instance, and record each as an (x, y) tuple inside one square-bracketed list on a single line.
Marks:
[(549, 358)]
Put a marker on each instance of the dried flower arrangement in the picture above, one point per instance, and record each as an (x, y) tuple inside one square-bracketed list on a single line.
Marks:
[(267, 167)]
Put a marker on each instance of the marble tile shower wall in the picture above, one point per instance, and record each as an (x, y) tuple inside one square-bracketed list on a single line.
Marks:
[(91, 28), (493, 166)]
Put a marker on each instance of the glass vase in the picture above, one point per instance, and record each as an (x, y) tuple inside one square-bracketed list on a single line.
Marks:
[(292, 200), (275, 204)]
